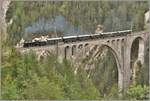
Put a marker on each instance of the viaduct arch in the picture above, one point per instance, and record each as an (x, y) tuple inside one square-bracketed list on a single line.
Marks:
[(120, 46), (120, 75), (136, 56)]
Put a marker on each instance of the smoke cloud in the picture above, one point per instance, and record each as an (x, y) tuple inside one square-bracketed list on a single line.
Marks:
[(58, 24)]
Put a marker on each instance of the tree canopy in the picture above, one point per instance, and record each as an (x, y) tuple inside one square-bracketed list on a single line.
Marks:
[(73, 17)]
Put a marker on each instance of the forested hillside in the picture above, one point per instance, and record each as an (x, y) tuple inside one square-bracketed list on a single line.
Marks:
[(72, 18), (24, 77)]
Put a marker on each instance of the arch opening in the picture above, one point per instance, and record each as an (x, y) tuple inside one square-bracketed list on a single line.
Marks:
[(86, 44), (66, 52), (80, 46), (73, 50), (105, 74), (137, 58), (86, 49)]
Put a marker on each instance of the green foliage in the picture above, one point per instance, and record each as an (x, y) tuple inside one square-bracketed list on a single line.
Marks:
[(9, 89), (138, 22), (23, 77), (119, 15), (41, 88), (138, 92)]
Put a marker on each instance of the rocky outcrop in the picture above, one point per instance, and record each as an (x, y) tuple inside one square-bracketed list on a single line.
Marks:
[(147, 19), (4, 5)]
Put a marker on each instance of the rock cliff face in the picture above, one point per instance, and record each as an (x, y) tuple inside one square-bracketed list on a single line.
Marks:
[(4, 5)]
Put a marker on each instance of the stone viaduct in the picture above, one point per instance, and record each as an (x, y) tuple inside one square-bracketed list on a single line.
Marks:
[(119, 45)]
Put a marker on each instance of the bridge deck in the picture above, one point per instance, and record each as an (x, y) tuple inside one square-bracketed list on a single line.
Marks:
[(68, 39)]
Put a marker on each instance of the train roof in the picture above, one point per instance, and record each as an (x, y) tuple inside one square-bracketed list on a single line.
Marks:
[(80, 36), (67, 37), (54, 38)]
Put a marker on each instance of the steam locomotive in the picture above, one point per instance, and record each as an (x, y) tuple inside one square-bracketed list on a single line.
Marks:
[(54, 41)]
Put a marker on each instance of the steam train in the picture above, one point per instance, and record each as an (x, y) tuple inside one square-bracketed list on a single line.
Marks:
[(54, 41)]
